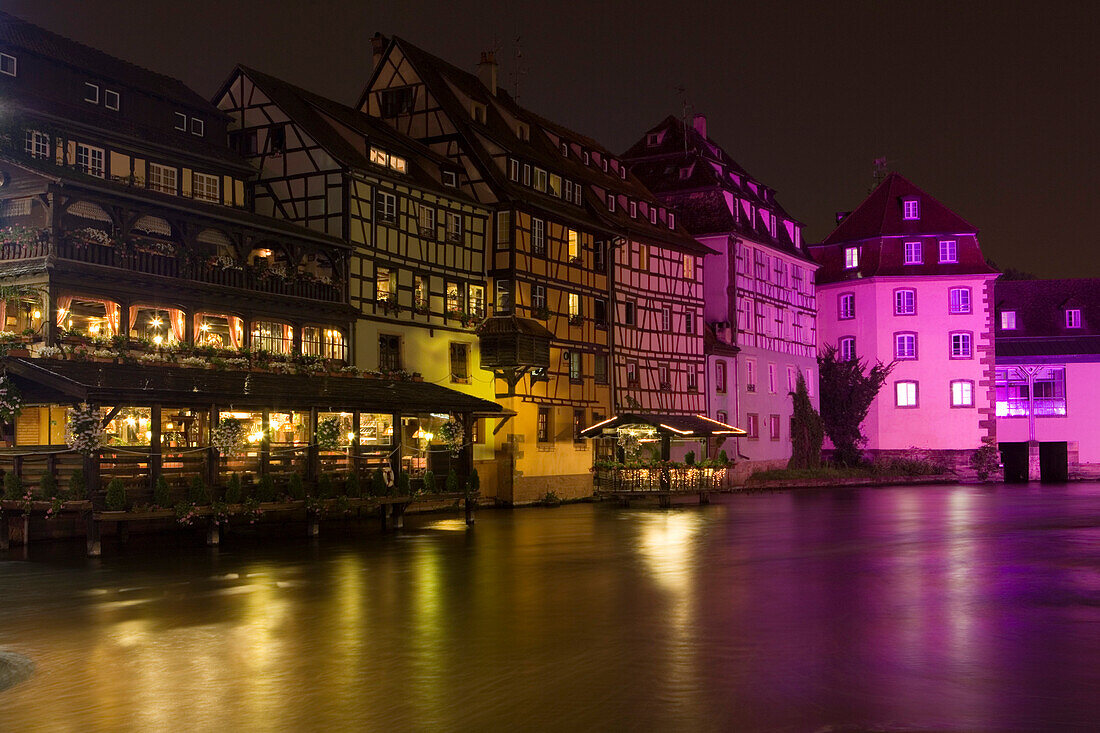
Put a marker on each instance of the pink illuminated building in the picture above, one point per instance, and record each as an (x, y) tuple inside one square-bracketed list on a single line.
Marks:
[(903, 280)]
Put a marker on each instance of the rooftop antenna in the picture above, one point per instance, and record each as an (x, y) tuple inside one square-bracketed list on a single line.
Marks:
[(880, 168), (518, 69), (682, 92)]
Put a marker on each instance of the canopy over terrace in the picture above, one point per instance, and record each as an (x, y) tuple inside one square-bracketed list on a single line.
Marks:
[(397, 411)]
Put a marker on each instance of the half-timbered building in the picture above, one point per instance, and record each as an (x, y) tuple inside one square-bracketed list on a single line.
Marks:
[(761, 310), (578, 247), (129, 243)]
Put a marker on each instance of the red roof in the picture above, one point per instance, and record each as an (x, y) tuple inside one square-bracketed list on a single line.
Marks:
[(881, 215)]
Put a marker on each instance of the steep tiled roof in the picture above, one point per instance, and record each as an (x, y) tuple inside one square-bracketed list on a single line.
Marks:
[(18, 33), (1040, 307), (442, 77), (881, 215)]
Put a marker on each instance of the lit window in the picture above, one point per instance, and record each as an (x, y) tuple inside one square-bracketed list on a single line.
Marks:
[(911, 209), (90, 160), (948, 251), (906, 394), (110, 99), (961, 346), (905, 346), (385, 207), (847, 348), (163, 178), (574, 302), (540, 180), (643, 257), (851, 258), (913, 253), (960, 300), (7, 64), (689, 267), (554, 185), (542, 427), (205, 187), (574, 245), (905, 302), (847, 306), (1008, 320), (37, 144), (91, 92), (1073, 318), (576, 366), (962, 393)]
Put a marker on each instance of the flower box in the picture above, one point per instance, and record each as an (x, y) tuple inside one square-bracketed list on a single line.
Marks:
[(18, 352)]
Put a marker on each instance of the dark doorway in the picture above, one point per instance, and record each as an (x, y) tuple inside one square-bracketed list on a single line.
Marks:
[(1054, 462), (1014, 459)]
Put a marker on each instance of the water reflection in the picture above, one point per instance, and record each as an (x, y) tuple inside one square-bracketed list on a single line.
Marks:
[(930, 608)]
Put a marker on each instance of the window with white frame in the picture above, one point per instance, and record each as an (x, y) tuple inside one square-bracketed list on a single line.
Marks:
[(905, 302), (666, 319), (905, 346), (37, 144), (846, 348), (949, 251), (1073, 317), (913, 253), (163, 178), (720, 376), (910, 209), (385, 207), (538, 237), (110, 99), (205, 187), (538, 297), (851, 258), (91, 92), (773, 426), (750, 375), (1008, 320), (7, 64), (454, 227), (905, 394), (198, 128), (663, 377), (449, 179), (427, 221), (752, 425), (90, 160), (540, 180), (792, 378), (846, 306), (962, 393), (610, 201), (772, 385), (180, 121), (689, 267), (959, 300), (633, 209), (961, 345), (573, 303)]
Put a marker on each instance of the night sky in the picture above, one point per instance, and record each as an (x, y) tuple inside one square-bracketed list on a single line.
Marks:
[(990, 107)]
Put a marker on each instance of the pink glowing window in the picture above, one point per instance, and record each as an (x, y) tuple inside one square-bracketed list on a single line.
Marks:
[(906, 394), (911, 209), (960, 300), (1008, 320), (847, 306), (913, 253), (851, 258), (847, 349), (948, 251), (961, 345), (905, 302), (1073, 318), (962, 393), (905, 346)]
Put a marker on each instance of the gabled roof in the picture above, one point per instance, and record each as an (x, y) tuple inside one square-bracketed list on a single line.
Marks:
[(1040, 307), (18, 33), (880, 215), (442, 78), (316, 115)]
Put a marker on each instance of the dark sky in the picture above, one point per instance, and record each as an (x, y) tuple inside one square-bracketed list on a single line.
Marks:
[(991, 107)]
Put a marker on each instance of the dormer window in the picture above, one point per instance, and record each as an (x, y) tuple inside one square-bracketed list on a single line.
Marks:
[(540, 180), (653, 139), (91, 92), (633, 209), (523, 132), (180, 121), (110, 99), (948, 251), (910, 209), (610, 201), (513, 170), (1073, 317), (587, 157), (388, 160), (671, 220), (477, 111), (565, 149), (450, 178), (7, 64), (652, 215), (197, 127), (851, 258), (622, 172)]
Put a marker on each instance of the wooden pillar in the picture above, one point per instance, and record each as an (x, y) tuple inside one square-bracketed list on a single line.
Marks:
[(17, 466), (213, 460), (313, 457), (265, 443), (397, 511), (395, 447), (189, 327), (353, 448), (467, 460), (91, 475), (155, 458), (296, 339), (666, 453), (50, 329)]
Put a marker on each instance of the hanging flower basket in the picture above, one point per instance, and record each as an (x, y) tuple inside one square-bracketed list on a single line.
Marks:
[(328, 433), (228, 436), (84, 429), (452, 434), (11, 402)]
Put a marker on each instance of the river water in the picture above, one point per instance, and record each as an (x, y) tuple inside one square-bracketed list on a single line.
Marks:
[(930, 608)]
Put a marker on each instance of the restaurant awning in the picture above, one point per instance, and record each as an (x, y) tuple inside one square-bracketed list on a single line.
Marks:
[(676, 426), (49, 381)]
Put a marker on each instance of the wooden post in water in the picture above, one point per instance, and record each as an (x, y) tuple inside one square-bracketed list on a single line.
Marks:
[(91, 531), (5, 533), (313, 524), (213, 533), (382, 516), (398, 514), (469, 511)]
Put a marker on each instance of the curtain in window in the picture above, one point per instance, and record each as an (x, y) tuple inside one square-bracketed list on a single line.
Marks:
[(64, 303), (175, 317), (133, 318), (236, 328), (111, 310)]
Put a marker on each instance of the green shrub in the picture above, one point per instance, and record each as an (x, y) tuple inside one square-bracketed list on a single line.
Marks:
[(351, 486), (378, 483), (233, 493), (13, 486), (452, 482), (723, 458), (116, 495), (985, 461), (295, 487), (429, 482), (689, 458), (47, 486), (404, 485), (325, 489), (161, 494), (473, 482), (265, 490), (198, 493), (77, 485)]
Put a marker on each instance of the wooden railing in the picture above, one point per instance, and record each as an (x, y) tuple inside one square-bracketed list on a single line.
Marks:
[(656, 479)]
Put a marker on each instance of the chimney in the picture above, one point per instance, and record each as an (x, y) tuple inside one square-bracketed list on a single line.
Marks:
[(378, 44), (699, 122), (487, 71)]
